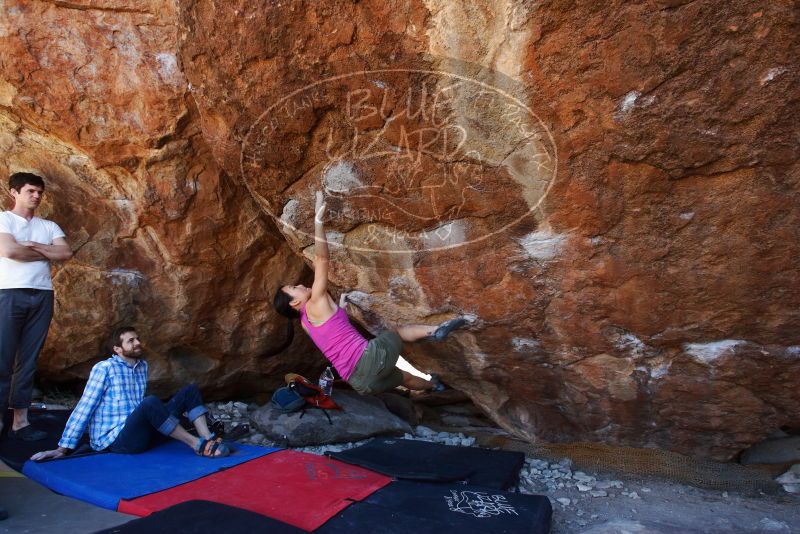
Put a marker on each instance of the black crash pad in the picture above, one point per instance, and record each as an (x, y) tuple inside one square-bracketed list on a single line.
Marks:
[(15, 452), (201, 517), (434, 508), (425, 461)]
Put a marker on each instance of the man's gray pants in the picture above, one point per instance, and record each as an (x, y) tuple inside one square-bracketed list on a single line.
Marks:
[(24, 320)]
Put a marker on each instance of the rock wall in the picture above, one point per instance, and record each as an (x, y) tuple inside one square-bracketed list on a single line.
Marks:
[(93, 96), (610, 190)]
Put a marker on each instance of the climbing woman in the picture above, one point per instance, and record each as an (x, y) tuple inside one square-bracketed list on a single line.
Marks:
[(368, 366)]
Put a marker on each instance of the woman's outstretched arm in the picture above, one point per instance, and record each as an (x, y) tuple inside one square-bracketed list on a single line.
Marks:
[(319, 290)]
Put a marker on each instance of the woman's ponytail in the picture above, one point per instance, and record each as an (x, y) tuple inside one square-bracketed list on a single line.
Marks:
[(282, 305)]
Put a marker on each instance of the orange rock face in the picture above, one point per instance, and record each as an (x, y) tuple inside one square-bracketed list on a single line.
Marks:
[(611, 191), (94, 98)]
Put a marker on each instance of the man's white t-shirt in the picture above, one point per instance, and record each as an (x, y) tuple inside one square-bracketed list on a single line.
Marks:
[(27, 274)]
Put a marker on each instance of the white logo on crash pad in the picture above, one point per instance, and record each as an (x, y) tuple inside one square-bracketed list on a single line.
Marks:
[(478, 504)]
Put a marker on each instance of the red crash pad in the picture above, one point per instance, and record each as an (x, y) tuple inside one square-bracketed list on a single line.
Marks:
[(304, 490)]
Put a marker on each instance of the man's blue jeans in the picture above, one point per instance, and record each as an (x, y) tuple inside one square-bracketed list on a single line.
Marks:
[(153, 419), (24, 320)]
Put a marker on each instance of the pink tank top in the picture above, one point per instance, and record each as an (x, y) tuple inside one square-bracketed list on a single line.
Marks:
[(338, 340)]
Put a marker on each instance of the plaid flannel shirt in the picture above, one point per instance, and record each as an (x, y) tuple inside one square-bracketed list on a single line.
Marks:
[(113, 391)]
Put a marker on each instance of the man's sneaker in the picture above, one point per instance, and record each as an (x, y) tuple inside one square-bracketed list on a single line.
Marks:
[(27, 433)]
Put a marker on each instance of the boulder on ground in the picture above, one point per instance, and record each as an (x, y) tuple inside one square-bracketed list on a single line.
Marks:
[(773, 451), (361, 417), (401, 406)]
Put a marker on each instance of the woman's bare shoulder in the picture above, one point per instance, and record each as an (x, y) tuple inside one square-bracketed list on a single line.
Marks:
[(320, 310)]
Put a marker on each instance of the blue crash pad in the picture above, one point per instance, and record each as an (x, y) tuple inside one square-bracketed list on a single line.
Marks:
[(104, 479)]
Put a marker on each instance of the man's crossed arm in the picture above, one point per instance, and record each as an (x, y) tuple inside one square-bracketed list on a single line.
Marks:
[(30, 251)]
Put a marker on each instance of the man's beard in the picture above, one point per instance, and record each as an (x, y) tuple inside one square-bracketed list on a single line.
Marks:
[(135, 354)]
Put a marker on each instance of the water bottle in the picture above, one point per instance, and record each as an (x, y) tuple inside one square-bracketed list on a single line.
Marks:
[(326, 381)]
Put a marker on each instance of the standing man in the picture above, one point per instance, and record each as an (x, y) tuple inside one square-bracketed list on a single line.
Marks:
[(27, 246)]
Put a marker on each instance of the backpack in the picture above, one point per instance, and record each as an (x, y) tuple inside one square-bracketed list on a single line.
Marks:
[(286, 400), (311, 394)]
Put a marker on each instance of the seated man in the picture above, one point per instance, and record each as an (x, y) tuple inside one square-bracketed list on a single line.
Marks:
[(121, 419)]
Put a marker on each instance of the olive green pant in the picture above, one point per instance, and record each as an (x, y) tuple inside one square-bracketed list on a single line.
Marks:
[(377, 370)]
